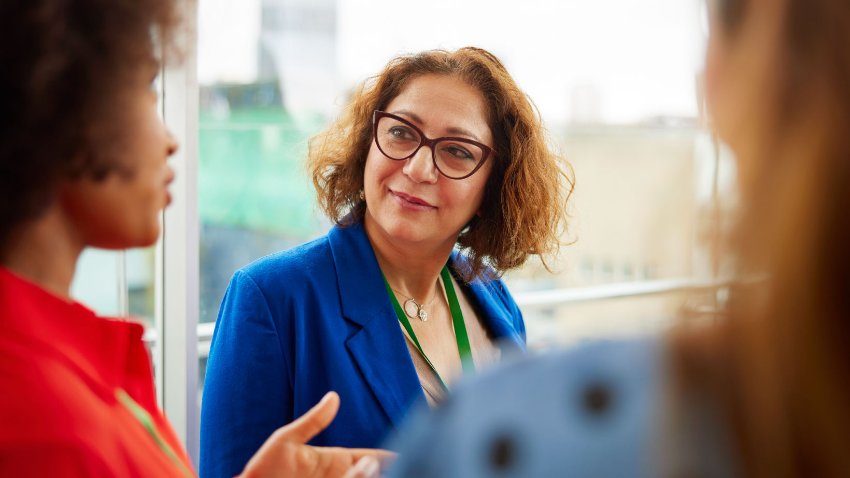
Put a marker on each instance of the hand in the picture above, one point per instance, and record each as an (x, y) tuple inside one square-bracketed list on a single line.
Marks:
[(285, 453)]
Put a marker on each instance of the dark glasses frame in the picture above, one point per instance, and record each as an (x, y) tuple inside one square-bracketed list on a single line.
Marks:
[(431, 143)]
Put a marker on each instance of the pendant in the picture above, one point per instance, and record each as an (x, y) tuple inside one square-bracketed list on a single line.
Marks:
[(419, 313)]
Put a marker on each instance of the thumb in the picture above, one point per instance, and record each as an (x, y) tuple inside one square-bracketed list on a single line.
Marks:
[(314, 421)]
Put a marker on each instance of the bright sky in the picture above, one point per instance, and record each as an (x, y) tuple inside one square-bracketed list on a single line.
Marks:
[(612, 60)]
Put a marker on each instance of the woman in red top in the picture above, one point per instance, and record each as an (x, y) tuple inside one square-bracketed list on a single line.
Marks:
[(83, 164)]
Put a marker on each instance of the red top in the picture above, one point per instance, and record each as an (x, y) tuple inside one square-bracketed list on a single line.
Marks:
[(75, 391)]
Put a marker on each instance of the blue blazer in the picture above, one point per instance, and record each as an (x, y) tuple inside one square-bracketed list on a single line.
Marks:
[(296, 324)]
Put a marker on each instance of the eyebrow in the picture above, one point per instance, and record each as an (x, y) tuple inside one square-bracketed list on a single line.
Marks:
[(450, 130)]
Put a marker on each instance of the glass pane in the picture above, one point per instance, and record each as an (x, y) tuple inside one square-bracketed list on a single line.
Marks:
[(96, 282), (140, 284), (102, 276), (642, 210), (617, 84), (621, 317)]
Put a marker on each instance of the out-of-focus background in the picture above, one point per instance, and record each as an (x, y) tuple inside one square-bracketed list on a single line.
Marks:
[(617, 83)]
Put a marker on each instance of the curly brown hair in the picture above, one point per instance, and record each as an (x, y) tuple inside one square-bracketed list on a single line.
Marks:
[(65, 63), (524, 208)]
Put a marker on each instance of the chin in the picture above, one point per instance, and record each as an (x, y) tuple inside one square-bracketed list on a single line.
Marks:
[(150, 239), (405, 236), (145, 239), (403, 229)]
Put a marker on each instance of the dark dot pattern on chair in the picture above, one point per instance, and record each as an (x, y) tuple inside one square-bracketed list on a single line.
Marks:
[(503, 452), (598, 399)]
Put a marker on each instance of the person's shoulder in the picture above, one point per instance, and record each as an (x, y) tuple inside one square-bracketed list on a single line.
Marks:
[(63, 457), (292, 265), (489, 281), (461, 264), (53, 420), (587, 411), (48, 400), (303, 254)]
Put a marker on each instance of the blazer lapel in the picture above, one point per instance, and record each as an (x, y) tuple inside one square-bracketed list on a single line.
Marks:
[(494, 315), (378, 348)]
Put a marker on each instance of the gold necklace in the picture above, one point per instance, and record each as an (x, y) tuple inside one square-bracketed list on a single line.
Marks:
[(419, 309)]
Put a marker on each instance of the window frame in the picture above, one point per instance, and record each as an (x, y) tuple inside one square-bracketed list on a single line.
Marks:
[(175, 353)]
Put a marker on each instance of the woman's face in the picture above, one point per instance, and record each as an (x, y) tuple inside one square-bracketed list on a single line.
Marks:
[(409, 201), (123, 210)]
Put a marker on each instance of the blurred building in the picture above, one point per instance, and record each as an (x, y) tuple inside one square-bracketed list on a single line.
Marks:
[(636, 215), (297, 48)]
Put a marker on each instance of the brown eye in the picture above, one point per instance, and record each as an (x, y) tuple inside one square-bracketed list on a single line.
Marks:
[(459, 152)]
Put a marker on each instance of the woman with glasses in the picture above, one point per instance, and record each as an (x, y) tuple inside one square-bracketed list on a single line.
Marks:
[(439, 178), (760, 390)]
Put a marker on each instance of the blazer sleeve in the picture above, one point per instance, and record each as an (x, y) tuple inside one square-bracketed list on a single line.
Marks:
[(248, 388)]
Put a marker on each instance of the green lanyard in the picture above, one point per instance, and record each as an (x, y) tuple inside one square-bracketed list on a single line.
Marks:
[(146, 421), (463, 348)]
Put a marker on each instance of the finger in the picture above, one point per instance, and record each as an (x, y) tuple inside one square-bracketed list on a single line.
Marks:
[(385, 458), (377, 453), (366, 467), (314, 421)]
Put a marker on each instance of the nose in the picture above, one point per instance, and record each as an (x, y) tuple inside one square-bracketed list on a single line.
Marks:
[(420, 167)]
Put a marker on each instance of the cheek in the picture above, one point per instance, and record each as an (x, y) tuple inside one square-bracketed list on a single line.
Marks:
[(466, 198), (479, 186), (378, 168), (369, 173)]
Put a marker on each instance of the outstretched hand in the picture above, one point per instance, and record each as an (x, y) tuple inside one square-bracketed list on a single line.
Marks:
[(286, 454)]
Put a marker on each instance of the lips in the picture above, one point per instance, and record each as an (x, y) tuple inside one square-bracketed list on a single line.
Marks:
[(168, 180), (412, 199)]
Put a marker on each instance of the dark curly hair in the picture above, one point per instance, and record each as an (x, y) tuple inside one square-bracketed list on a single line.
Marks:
[(65, 63), (524, 208)]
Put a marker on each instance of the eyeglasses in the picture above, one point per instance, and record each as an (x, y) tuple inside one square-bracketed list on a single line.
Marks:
[(454, 158)]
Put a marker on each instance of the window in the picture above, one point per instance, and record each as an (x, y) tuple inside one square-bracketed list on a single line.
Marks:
[(616, 81)]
